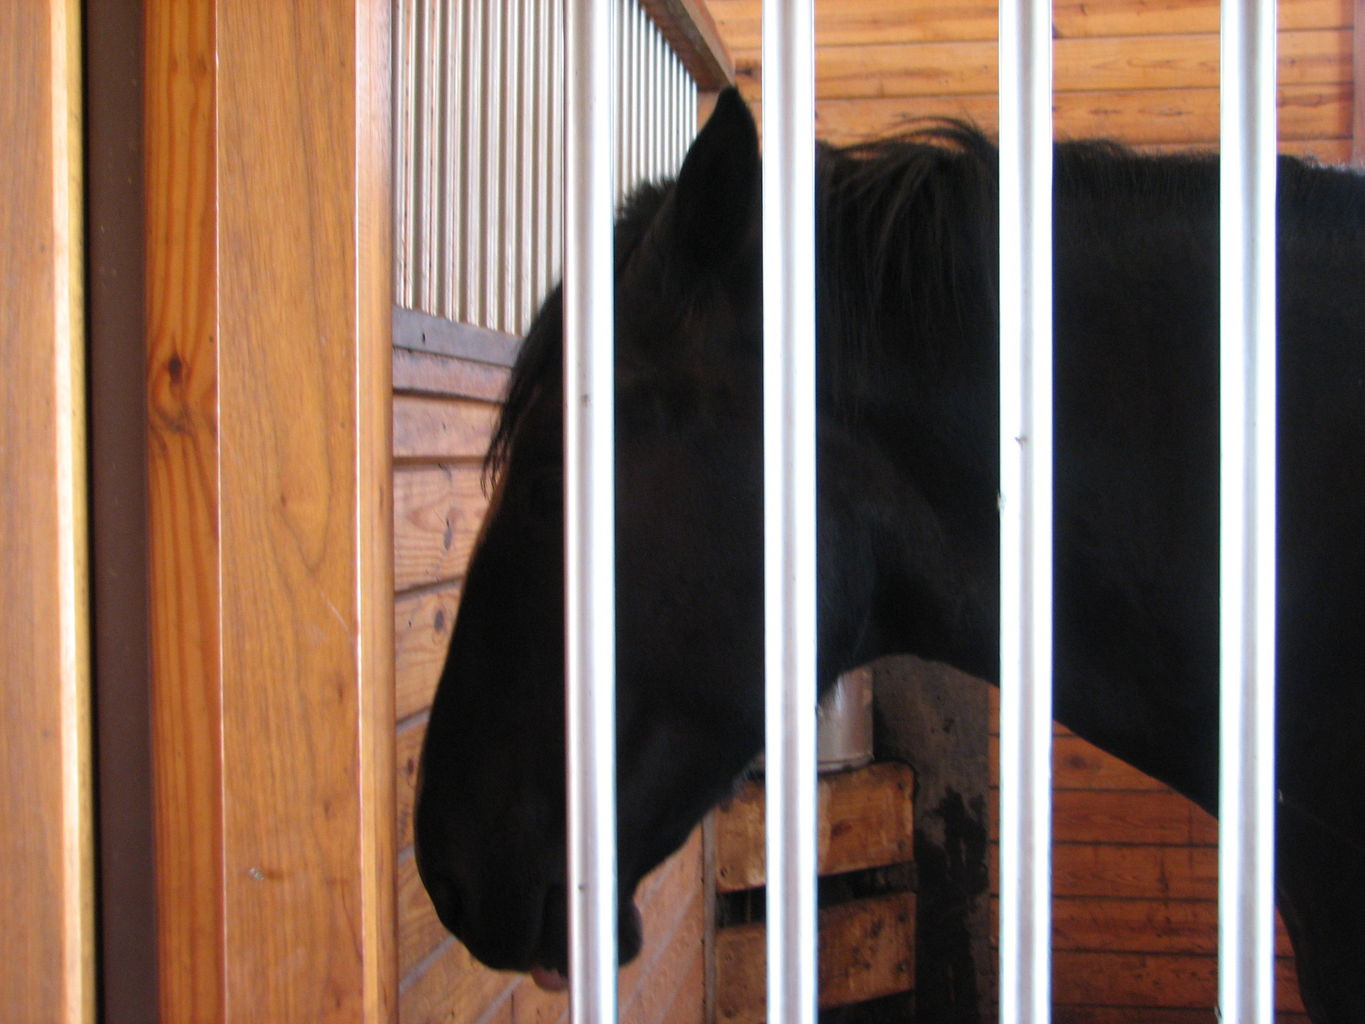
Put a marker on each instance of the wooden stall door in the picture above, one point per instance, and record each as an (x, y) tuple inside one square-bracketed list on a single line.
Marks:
[(269, 241), (46, 880)]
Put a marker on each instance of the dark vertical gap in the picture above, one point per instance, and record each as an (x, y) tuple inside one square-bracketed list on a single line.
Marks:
[(115, 329)]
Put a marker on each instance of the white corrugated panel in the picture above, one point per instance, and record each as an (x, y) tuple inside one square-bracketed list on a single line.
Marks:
[(479, 123)]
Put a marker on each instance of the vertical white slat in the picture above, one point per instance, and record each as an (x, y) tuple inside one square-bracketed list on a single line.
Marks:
[(1025, 510), (473, 170), (589, 541), (405, 134), (1246, 915), (525, 295), (510, 232), (452, 160), (492, 163), (789, 505), (428, 151)]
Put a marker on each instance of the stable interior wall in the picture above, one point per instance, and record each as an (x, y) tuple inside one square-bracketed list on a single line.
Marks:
[(1135, 878)]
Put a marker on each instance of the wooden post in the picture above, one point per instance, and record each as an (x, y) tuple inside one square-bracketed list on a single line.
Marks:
[(1358, 95), (269, 268), (46, 866)]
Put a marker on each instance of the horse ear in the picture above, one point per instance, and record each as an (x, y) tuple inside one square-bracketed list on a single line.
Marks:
[(716, 196)]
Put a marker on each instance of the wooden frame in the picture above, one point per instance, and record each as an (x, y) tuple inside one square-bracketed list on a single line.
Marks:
[(269, 283), (46, 848)]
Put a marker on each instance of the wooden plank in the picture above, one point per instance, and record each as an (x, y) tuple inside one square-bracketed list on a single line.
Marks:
[(435, 428), (46, 843), (421, 373), (1147, 1015), (866, 820), (182, 395), (290, 379), (420, 931), (1320, 56), (1105, 925), (1137, 872), (423, 623), (1138, 818), (865, 22), (866, 951), (692, 32), (407, 753), (1188, 116), (422, 332), (1077, 764), (1358, 77), (437, 513), (1143, 979)]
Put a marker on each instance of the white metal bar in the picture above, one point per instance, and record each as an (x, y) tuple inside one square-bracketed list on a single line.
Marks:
[(1246, 914), (1025, 510), (589, 495), (789, 504)]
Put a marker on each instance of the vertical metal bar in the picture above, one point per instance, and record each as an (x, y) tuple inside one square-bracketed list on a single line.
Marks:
[(530, 94), (452, 146), (789, 504), (473, 172), (1246, 915), (589, 496), (1025, 509)]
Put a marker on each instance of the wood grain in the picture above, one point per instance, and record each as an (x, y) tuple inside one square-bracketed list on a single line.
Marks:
[(438, 511), (182, 395), (1077, 764), (46, 843), (271, 502), (864, 22), (1358, 77), (1142, 980), (1308, 57), (423, 623), (866, 951), (866, 820), (423, 373), (438, 428)]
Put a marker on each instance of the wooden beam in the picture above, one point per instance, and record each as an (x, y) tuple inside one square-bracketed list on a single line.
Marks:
[(691, 31), (269, 361), (46, 863), (1358, 97)]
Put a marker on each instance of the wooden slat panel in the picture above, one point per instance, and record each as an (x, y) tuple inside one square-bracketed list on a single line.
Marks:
[(1142, 979), (1151, 116), (46, 847), (859, 22), (419, 929), (422, 373), (866, 951), (1077, 764), (866, 820), (1140, 818), (1082, 64), (422, 626), (293, 241), (433, 428), (1358, 77), (437, 514), (1138, 872), (1147, 1015), (1106, 925)]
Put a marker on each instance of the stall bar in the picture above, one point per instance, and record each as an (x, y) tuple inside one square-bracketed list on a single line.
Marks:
[(1248, 487)]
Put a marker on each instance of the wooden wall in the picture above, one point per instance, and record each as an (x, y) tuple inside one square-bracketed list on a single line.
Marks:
[(1135, 895), (447, 380), (1142, 71), (46, 848)]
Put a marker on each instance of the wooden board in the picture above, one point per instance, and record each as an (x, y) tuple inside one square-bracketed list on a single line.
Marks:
[(1077, 764), (423, 622), (866, 820), (438, 428), (1143, 979), (407, 753), (949, 68), (271, 508), (866, 951), (47, 879), (437, 513), (424, 373), (872, 22)]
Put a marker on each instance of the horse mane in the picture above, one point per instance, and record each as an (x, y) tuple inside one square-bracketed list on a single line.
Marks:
[(907, 247)]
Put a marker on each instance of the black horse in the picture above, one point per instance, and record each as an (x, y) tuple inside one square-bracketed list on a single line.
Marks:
[(908, 542)]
